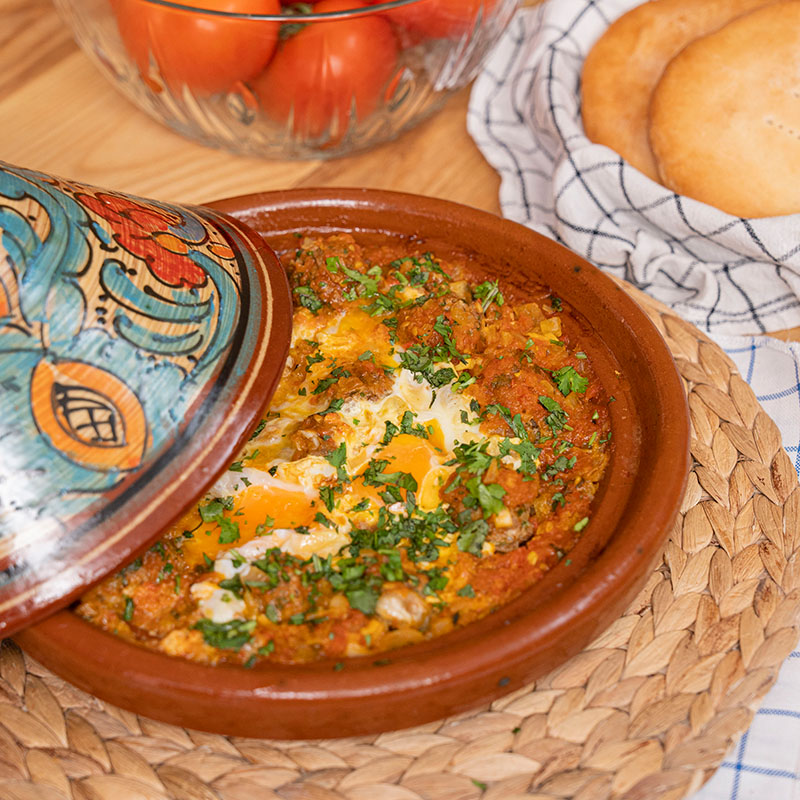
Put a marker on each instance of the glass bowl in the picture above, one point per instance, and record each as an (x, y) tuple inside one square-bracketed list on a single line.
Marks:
[(263, 78)]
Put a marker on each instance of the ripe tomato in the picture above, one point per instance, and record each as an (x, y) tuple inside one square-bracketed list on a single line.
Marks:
[(438, 19), (328, 72), (206, 53)]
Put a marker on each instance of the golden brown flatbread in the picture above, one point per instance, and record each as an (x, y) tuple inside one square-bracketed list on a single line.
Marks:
[(623, 67), (725, 116)]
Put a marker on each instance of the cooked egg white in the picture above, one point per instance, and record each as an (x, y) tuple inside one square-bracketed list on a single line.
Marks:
[(269, 506)]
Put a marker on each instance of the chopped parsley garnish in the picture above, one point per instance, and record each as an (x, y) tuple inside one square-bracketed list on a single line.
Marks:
[(473, 459), (472, 537), (228, 531), (336, 405), (231, 635), (406, 426), (374, 475), (568, 380), (489, 292), (338, 459), (489, 496), (561, 464), (233, 584), (307, 298), (556, 419), (527, 452), (326, 495), (326, 383), (447, 350), (314, 358), (213, 512), (260, 427)]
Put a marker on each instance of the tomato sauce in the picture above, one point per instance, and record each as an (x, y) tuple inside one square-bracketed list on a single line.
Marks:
[(433, 449)]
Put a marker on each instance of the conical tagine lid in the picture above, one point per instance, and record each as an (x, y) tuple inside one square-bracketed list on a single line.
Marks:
[(139, 343)]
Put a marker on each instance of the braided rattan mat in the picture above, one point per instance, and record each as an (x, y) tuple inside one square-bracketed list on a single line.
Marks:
[(647, 711)]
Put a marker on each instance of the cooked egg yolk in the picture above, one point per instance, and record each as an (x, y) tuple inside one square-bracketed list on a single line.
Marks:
[(256, 506), (424, 461)]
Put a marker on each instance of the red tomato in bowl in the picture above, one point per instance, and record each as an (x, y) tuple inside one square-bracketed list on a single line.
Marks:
[(329, 73), (206, 53), (438, 19)]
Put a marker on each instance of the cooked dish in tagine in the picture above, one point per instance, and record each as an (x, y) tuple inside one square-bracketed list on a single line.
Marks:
[(432, 450)]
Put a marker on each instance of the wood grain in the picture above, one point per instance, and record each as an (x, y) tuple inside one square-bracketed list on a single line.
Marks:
[(59, 114)]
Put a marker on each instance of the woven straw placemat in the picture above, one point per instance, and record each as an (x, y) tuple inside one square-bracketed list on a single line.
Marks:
[(646, 711)]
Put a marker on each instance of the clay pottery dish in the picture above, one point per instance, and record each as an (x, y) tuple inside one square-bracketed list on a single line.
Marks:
[(137, 342), (555, 619)]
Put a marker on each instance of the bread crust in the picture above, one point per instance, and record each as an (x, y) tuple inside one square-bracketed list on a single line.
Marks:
[(626, 63), (725, 116)]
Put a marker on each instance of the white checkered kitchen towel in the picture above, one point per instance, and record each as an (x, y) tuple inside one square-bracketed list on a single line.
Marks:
[(724, 274)]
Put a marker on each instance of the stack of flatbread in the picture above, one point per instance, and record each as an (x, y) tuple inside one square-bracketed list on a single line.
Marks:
[(704, 97)]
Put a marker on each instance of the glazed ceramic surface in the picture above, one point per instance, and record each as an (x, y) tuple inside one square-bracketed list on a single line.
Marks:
[(555, 619), (135, 347)]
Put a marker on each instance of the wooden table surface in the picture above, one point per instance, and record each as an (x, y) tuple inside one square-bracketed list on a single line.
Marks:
[(59, 114)]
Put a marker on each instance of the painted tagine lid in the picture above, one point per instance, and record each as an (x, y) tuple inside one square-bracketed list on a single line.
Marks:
[(139, 343)]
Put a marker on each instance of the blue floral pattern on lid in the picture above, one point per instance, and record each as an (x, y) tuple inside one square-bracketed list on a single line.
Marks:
[(126, 328)]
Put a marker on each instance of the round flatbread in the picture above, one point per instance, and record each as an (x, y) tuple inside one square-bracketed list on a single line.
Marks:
[(725, 116), (623, 67)]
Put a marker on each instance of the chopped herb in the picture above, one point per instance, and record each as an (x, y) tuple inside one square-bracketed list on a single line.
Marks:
[(579, 526), (338, 459), (127, 614), (326, 383), (561, 464), (568, 380), (489, 292), (472, 537), (226, 635), (374, 475), (314, 358), (326, 495), (556, 420), (466, 591), (233, 584), (307, 298), (260, 427), (364, 599), (489, 496), (228, 531), (336, 405)]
